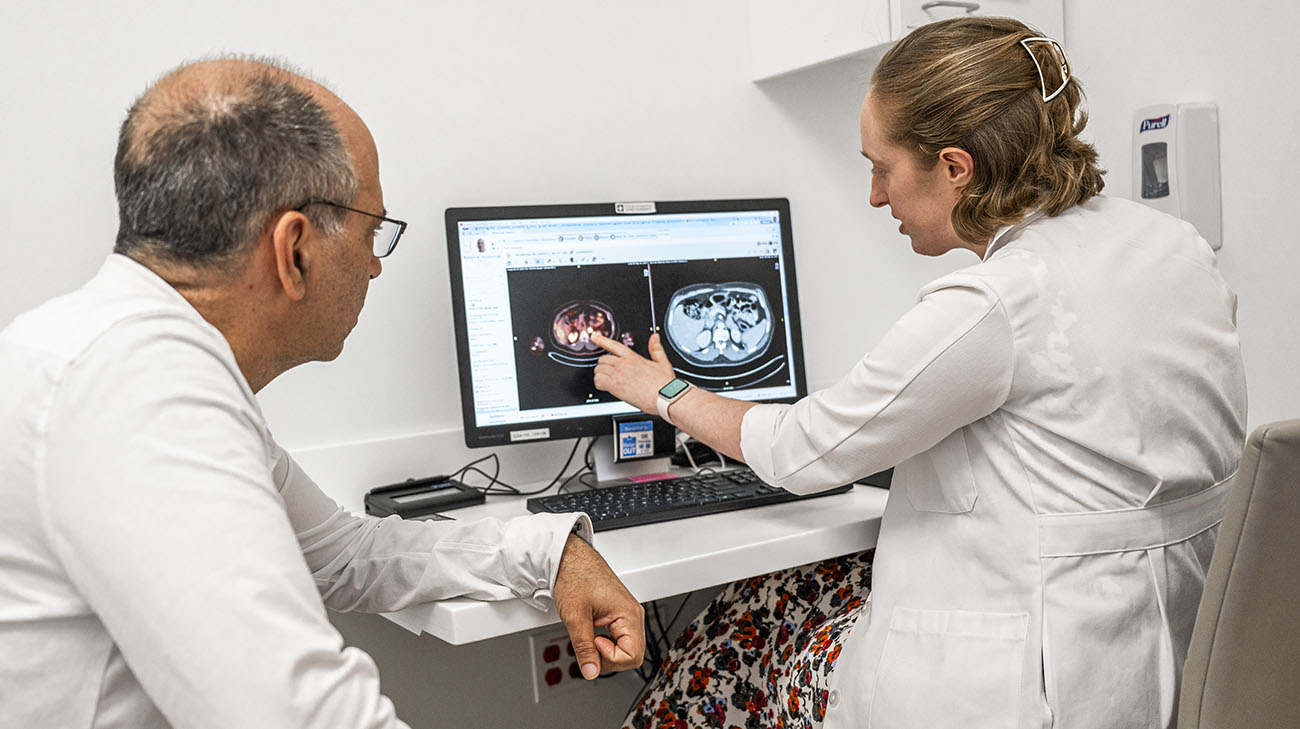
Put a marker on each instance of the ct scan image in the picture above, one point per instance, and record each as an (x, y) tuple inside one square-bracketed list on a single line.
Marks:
[(722, 322), (715, 325)]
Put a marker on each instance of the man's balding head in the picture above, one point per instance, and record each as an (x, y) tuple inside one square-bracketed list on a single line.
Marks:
[(213, 149)]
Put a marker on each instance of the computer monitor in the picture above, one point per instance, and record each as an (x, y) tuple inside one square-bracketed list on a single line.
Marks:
[(715, 279)]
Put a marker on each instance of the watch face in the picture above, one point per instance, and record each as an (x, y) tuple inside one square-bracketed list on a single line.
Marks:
[(673, 389)]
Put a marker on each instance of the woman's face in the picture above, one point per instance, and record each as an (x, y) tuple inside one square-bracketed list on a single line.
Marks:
[(920, 199)]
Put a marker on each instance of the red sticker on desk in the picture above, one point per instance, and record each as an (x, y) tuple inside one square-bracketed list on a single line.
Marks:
[(651, 477)]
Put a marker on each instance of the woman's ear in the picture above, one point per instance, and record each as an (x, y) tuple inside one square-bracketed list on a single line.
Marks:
[(958, 166)]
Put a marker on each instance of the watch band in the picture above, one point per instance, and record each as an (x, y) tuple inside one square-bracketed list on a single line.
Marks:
[(662, 403)]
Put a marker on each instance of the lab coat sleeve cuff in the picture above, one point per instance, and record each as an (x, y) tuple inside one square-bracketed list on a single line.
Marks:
[(756, 434), (561, 526)]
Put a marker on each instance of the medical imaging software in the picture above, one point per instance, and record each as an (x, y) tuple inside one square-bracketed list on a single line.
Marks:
[(536, 290)]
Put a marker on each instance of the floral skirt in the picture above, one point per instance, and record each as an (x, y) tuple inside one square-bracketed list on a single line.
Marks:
[(761, 654)]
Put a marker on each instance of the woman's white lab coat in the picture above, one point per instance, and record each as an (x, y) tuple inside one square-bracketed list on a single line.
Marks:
[(1063, 416)]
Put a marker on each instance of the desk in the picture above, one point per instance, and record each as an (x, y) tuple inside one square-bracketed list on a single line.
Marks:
[(671, 558)]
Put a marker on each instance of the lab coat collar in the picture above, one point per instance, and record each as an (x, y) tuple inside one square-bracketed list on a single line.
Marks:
[(1008, 233), (123, 273)]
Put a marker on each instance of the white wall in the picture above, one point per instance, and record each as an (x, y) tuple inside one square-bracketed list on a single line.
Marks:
[(1242, 56), (471, 103), (593, 100)]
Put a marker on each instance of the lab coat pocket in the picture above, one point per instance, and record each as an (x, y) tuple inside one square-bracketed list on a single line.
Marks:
[(940, 480), (950, 668)]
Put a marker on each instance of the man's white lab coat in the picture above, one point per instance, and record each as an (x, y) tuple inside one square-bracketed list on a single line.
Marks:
[(1064, 416), (163, 562)]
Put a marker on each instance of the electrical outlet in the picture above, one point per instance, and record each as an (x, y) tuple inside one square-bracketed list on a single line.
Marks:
[(550, 657)]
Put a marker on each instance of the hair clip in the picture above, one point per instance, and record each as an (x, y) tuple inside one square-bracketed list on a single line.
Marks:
[(1042, 79)]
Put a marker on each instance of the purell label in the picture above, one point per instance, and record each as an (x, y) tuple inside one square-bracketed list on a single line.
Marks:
[(1159, 122)]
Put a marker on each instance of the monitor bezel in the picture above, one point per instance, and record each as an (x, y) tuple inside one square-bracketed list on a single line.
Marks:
[(495, 435)]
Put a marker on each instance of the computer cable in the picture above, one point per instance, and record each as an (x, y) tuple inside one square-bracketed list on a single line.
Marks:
[(653, 641), (588, 466), (684, 442), (495, 481), (559, 476), (659, 623), (664, 628), (493, 478), (652, 654), (695, 454), (581, 476)]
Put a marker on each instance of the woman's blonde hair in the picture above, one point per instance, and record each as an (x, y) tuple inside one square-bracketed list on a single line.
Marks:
[(970, 83)]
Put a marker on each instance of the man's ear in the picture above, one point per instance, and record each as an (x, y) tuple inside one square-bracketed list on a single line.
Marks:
[(958, 166), (290, 234)]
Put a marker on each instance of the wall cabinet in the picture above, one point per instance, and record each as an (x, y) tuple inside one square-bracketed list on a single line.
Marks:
[(787, 36)]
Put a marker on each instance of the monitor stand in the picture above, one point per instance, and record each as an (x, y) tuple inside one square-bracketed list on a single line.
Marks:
[(607, 469)]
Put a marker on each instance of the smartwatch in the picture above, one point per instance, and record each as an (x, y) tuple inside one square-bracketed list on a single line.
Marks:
[(671, 393)]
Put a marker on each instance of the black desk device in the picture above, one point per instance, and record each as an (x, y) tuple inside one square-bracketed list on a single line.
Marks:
[(415, 498)]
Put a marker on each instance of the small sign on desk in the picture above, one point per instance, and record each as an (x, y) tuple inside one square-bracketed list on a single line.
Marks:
[(638, 437), (636, 440)]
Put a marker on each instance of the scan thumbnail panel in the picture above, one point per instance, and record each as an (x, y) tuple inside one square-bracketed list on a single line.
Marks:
[(722, 322), (554, 313)]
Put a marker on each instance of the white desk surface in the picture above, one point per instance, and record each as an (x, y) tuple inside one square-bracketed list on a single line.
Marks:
[(675, 557)]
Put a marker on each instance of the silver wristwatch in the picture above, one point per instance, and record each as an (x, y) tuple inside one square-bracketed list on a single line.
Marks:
[(671, 393)]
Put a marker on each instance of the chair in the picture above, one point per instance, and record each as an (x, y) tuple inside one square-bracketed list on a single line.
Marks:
[(1243, 665)]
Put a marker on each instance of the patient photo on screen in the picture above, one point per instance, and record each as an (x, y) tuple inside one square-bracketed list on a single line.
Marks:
[(721, 321), (554, 312)]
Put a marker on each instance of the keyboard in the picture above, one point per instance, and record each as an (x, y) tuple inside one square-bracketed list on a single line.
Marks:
[(625, 505)]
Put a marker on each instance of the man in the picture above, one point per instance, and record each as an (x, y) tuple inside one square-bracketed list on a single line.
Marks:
[(163, 562)]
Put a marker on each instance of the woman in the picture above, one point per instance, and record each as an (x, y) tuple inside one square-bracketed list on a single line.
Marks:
[(1062, 416)]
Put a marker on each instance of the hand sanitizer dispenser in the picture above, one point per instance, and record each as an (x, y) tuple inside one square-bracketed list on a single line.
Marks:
[(1176, 164)]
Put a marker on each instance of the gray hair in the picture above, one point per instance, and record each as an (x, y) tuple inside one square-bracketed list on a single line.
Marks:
[(200, 171)]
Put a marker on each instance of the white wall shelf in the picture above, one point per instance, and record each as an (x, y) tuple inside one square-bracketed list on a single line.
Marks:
[(786, 37)]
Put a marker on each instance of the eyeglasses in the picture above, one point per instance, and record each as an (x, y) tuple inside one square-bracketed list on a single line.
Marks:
[(388, 232)]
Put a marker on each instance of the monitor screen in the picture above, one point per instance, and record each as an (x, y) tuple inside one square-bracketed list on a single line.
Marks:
[(530, 284)]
